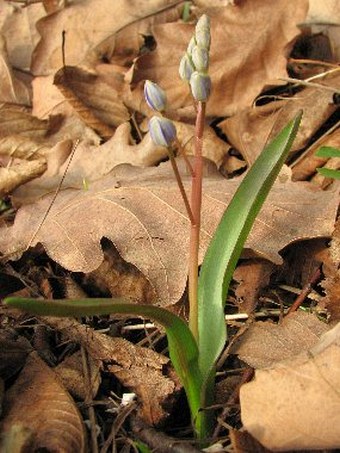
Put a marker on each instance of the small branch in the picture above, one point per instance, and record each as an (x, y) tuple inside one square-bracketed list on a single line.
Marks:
[(196, 203), (305, 291), (310, 84)]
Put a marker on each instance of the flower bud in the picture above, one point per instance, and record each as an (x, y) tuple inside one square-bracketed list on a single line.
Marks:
[(186, 68), (200, 86), (154, 96), (203, 22), (200, 58), (203, 38), (191, 45), (162, 131)]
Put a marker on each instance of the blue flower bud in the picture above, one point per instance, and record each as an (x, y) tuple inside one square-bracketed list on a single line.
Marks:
[(200, 86), (200, 58), (186, 68), (154, 96), (162, 131)]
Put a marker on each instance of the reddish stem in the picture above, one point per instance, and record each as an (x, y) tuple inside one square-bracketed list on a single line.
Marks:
[(196, 202)]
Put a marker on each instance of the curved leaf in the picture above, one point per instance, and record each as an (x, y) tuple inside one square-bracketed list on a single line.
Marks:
[(182, 345), (227, 243)]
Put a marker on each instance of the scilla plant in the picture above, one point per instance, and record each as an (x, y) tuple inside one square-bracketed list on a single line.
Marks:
[(194, 348)]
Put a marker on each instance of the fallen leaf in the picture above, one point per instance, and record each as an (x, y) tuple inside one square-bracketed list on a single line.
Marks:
[(306, 165), (331, 270), (71, 373), (45, 409), (266, 343), (12, 90), (249, 130), (91, 162), (242, 38), (21, 173), (17, 24), (142, 370), (14, 121), (95, 102), (141, 212), (295, 404), (86, 27), (251, 276)]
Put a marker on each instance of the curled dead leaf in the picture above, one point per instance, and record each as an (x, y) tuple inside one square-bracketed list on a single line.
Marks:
[(38, 402)]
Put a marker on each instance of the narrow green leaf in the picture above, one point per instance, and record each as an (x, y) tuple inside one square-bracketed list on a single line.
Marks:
[(328, 151), (329, 173), (182, 345), (228, 241)]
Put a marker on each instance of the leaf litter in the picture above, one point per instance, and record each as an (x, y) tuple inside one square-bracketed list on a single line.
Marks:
[(114, 228)]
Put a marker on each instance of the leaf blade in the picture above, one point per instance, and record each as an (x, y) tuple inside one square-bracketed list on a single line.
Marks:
[(223, 252)]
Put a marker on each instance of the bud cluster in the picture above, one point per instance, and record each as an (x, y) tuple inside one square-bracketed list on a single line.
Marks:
[(195, 63)]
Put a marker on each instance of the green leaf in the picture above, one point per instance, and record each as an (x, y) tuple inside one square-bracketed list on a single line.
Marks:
[(227, 244), (328, 151), (182, 345), (329, 173)]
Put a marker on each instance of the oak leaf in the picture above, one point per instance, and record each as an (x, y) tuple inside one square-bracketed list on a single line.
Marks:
[(248, 52), (141, 212)]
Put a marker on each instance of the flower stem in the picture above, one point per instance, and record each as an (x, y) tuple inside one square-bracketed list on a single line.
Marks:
[(196, 202), (180, 184)]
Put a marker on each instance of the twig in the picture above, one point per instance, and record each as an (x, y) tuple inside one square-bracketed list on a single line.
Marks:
[(88, 399), (305, 291), (309, 84)]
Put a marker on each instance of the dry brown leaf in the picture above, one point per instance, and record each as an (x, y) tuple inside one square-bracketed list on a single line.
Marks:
[(19, 174), (38, 401), (71, 373), (331, 284), (86, 26), (102, 99), (141, 369), (12, 90), (295, 405), (251, 129), (14, 121), (305, 166), (63, 81), (90, 162), (13, 352), (266, 343), (252, 276), (141, 211), (248, 52), (48, 100), (17, 25)]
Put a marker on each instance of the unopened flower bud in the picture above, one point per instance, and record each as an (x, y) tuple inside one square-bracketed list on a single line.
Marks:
[(203, 22), (200, 58), (191, 45), (154, 95), (200, 86), (203, 38), (162, 131), (186, 68)]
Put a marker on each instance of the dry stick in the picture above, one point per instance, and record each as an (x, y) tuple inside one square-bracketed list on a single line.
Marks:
[(196, 203), (305, 291), (88, 399)]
